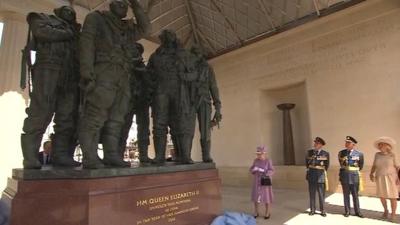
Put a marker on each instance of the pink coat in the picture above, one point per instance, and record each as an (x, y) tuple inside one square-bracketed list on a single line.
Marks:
[(261, 194)]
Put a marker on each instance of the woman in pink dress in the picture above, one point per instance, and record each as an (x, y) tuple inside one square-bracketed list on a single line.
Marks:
[(261, 194), (384, 173)]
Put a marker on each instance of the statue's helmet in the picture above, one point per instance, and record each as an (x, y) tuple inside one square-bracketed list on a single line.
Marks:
[(168, 37), (197, 50), (119, 8), (66, 13)]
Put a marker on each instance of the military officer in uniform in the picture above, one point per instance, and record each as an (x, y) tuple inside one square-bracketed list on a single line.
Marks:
[(108, 53), (317, 162), (55, 78), (351, 163)]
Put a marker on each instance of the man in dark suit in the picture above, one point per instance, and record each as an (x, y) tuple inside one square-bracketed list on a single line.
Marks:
[(351, 163), (44, 156), (317, 162)]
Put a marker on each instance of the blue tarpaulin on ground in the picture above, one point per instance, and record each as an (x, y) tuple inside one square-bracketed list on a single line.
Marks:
[(4, 213), (234, 218)]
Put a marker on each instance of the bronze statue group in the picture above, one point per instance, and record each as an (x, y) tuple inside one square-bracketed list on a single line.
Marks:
[(92, 80)]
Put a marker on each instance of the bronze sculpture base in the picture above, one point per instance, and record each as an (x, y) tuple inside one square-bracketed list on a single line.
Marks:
[(189, 197)]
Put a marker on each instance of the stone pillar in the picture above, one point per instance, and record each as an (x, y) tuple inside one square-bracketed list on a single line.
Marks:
[(13, 101), (288, 146), (13, 41)]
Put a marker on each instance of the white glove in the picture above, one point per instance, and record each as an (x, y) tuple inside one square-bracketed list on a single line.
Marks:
[(261, 170), (255, 169)]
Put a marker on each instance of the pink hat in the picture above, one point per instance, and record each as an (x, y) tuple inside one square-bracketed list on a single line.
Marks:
[(387, 140), (261, 150)]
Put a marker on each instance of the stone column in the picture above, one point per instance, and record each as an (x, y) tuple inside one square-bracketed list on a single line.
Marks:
[(13, 100), (13, 41), (288, 146)]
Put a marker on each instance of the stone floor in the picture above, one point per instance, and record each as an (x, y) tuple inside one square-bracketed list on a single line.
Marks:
[(290, 208)]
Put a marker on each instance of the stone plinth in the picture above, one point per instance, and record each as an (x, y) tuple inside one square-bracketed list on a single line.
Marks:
[(173, 194)]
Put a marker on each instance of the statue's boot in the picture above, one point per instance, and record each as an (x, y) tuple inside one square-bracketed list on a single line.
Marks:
[(143, 156), (177, 150), (112, 152), (89, 145), (159, 145), (122, 149), (30, 148), (60, 155), (205, 150), (186, 149)]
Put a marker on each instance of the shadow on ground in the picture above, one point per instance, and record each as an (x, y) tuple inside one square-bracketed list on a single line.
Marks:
[(290, 207)]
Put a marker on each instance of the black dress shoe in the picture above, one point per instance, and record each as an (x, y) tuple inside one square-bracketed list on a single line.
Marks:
[(346, 214), (311, 213), (323, 214), (359, 215), (267, 217), (255, 217)]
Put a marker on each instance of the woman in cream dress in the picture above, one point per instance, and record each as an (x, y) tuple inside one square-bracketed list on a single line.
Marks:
[(384, 173)]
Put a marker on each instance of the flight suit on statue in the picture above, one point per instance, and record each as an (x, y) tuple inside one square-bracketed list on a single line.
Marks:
[(172, 102), (207, 93), (55, 90), (107, 58), (139, 105)]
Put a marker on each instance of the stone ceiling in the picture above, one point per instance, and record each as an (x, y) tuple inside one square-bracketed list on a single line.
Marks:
[(222, 25)]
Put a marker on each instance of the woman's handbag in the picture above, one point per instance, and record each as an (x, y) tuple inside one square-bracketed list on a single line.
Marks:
[(265, 180)]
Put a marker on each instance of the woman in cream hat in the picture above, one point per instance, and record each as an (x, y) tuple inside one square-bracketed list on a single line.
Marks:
[(384, 173)]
